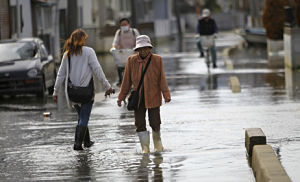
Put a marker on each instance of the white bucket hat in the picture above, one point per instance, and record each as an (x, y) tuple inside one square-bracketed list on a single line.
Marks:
[(142, 41), (205, 13)]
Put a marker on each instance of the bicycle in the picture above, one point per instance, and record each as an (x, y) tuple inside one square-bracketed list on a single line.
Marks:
[(207, 42), (120, 59)]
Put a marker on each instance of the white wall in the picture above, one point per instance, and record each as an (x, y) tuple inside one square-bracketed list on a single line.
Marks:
[(26, 30), (62, 4), (87, 10)]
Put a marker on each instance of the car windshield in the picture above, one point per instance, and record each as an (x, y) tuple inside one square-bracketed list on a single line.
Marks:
[(17, 51)]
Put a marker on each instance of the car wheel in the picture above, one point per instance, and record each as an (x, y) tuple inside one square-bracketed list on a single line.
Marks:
[(51, 88), (41, 92)]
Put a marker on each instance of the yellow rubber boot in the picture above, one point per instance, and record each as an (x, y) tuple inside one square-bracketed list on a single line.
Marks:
[(158, 147), (145, 141)]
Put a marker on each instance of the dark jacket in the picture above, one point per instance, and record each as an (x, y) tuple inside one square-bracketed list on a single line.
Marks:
[(207, 27)]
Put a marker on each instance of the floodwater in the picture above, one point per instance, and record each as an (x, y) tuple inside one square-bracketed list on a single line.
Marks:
[(203, 128)]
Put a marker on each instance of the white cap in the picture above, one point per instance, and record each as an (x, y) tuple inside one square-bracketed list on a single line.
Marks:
[(205, 13), (142, 41)]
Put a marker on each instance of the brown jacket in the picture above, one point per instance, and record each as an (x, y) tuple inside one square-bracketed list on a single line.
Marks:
[(155, 82)]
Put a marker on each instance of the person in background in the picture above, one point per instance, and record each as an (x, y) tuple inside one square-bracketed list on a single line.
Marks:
[(83, 63), (207, 26), (153, 87), (124, 39)]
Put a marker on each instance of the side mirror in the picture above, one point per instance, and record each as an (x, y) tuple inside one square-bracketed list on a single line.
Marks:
[(50, 57)]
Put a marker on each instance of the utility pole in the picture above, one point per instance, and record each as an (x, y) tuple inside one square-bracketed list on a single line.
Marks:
[(133, 13), (72, 16), (177, 13)]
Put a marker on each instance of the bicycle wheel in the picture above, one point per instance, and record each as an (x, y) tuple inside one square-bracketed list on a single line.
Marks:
[(207, 58)]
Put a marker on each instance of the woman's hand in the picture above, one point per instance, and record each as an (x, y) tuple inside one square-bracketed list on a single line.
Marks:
[(119, 103), (167, 100), (109, 91)]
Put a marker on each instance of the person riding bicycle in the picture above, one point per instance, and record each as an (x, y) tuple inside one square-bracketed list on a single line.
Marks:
[(125, 38), (206, 27)]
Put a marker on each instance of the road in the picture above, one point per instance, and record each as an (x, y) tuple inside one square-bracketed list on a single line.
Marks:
[(203, 128)]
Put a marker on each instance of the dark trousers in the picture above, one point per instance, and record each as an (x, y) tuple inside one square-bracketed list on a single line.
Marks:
[(153, 114), (120, 73)]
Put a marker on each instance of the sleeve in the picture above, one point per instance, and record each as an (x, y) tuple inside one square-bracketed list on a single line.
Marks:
[(61, 75), (126, 82), (163, 82), (116, 39), (216, 27), (198, 28), (97, 70), (137, 33)]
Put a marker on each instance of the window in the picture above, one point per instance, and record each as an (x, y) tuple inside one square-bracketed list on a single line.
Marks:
[(17, 51), (47, 18), (125, 5), (13, 19)]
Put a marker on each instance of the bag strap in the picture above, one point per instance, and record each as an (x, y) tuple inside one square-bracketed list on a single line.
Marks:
[(142, 78), (69, 58)]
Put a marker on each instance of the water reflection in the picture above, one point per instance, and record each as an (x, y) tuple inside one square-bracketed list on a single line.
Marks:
[(292, 81), (83, 167), (146, 168), (211, 82), (158, 172), (143, 170)]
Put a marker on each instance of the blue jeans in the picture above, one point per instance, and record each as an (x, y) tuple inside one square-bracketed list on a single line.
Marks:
[(212, 50), (199, 45), (84, 112)]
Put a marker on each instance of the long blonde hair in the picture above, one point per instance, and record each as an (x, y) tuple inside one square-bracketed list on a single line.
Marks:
[(73, 45)]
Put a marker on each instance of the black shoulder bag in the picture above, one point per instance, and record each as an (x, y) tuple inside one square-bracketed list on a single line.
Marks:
[(133, 99), (80, 94)]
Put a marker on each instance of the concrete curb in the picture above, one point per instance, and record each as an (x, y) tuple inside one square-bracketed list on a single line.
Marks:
[(254, 136), (229, 50), (265, 165), (234, 84)]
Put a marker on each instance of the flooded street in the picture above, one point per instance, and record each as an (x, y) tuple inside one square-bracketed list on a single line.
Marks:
[(203, 128)]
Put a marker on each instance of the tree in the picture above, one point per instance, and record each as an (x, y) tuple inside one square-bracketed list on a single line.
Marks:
[(273, 18), (212, 5)]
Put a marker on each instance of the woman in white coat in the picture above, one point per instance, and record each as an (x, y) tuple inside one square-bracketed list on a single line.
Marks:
[(83, 63)]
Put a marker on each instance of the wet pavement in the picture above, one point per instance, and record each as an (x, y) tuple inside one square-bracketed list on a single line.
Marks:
[(203, 128)]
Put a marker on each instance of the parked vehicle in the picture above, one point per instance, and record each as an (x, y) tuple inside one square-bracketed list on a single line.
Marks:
[(255, 35), (26, 67)]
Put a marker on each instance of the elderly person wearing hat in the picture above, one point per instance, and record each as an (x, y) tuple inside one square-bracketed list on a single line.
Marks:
[(153, 87), (207, 26)]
